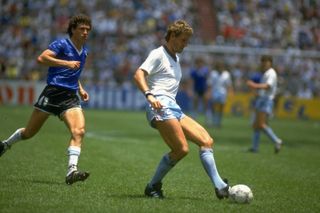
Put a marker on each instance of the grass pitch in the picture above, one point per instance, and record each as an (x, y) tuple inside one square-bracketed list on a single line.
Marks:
[(121, 152)]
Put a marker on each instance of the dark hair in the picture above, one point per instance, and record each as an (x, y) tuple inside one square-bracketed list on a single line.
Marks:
[(76, 20), (266, 58), (178, 27)]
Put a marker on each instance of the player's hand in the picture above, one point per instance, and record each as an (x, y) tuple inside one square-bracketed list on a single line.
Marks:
[(84, 95), (73, 65), (155, 103)]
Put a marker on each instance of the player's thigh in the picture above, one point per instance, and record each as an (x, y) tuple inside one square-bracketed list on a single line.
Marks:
[(35, 122), (220, 107), (74, 118), (172, 133), (195, 132), (261, 119)]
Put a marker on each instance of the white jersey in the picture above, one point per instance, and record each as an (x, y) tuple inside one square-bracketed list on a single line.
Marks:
[(164, 73), (219, 82), (270, 78)]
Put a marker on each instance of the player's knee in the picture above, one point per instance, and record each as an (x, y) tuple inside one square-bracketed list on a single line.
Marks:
[(207, 142), (182, 152), (78, 132), (25, 134), (257, 126)]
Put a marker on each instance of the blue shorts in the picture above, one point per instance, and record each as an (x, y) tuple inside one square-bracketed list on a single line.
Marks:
[(263, 104), (170, 110)]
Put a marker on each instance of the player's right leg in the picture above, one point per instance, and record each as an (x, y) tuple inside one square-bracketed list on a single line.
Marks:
[(35, 123), (262, 125), (172, 133), (75, 121)]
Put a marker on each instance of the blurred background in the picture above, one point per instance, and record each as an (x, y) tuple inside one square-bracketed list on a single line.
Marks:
[(234, 33)]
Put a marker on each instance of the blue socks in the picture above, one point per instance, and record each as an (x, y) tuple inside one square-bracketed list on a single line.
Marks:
[(165, 165), (217, 117), (208, 162), (256, 140), (256, 137)]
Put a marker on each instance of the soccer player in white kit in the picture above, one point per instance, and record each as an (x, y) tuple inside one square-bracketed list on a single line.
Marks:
[(264, 104), (220, 84), (158, 78)]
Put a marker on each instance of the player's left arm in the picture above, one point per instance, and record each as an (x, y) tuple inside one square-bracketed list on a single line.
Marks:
[(83, 93)]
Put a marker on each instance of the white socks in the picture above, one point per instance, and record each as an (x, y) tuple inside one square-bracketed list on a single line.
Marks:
[(73, 153), (15, 137)]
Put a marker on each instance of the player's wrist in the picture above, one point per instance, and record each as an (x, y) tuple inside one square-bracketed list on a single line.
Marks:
[(147, 93)]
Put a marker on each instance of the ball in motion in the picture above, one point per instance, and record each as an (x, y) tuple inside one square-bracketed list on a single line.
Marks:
[(240, 194)]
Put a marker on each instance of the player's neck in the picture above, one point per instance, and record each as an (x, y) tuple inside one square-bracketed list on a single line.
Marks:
[(77, 44), (170, 51)]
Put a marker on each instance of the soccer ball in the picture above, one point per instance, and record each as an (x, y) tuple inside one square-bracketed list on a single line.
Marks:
[(240, 194)]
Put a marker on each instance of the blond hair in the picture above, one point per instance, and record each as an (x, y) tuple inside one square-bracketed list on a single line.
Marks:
[(177, 28)]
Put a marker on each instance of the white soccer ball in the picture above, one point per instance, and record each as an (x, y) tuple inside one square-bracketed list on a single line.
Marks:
[(240, 194)]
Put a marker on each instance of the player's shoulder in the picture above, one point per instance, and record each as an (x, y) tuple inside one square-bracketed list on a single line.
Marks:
[(62, 41), (225, 74), (157, 53), (85, 50), (59, 43), (214, 73), (271, 71), (159, 50)]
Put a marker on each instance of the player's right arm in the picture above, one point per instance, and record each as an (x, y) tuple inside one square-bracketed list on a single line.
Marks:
[(140, 80), (48, 58), (254, 85)]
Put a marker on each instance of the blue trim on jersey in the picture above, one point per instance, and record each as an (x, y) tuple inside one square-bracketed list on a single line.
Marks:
[(63, 76)]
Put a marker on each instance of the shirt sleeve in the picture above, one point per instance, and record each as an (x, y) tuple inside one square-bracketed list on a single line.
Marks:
[(56, 47), (151, 64), (271, 78)]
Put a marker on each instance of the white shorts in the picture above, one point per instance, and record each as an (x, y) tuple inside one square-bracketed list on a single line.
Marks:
[(263, 104), (170, 110)]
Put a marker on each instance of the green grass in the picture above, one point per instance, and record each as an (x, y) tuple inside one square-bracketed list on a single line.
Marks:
[(121, 151)]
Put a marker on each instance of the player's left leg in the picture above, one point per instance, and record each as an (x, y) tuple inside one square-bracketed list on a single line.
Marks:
[(197, 134), (262, 124), (75, 121), (34, 124)]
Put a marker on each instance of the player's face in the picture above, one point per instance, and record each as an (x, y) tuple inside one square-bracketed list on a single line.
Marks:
[(81, 33), (265, 65), (180, 42)]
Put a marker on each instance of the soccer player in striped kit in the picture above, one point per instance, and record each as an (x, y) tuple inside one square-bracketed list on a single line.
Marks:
[(66, 59)]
